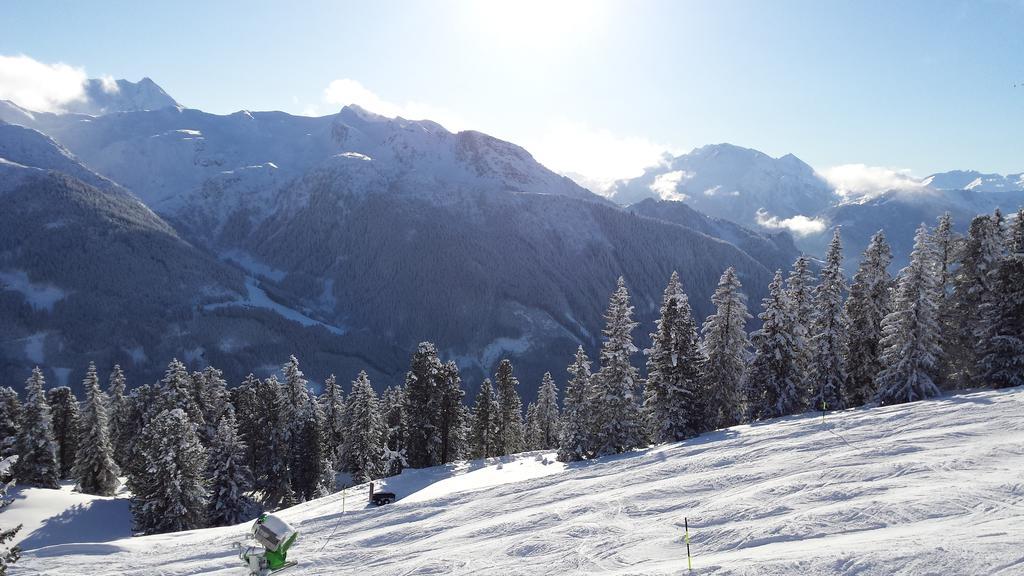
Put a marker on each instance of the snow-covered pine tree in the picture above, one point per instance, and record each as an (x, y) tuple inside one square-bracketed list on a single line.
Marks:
[(365, 432), (176, 390), (95, 469), (332, 402), (946, 244), (212, 397), (616, 412), (272, 474), (511, 433), (138, 413), (532, 433), (673, 369), (310, 463), (867, 306), (772, 384), (294, 385), (172, 495), (248, 412), (724, 346), (8, 555), (302, 471), (10, 417), (548, 419), (575, 438), (483, 437), (423, 439), (999, 224), (327, 481), (828, 336), (37, 451), (64, 413), (449, 416), (230, 476), (910, 333), (466, 419), (801, 295), (973, 291), (116, 386), (1002, 362), (393, 411)]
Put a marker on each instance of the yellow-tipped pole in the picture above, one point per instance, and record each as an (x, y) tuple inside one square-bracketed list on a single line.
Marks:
[(689, 559)]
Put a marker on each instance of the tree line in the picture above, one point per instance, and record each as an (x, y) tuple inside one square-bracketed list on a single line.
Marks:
[(196, 453)]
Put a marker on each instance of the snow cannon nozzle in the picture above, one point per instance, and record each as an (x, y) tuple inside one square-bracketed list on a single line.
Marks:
[(275, 537)]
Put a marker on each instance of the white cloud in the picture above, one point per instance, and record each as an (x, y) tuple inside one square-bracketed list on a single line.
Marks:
[(346, 91), (109, 85), (37, 86), (717, 191), (665, 185), (800, 225), (860, 180), (597, 155)]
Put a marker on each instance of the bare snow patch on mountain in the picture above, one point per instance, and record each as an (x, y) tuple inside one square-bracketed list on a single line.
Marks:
[(41, 296), (34, 347), (257, 297)]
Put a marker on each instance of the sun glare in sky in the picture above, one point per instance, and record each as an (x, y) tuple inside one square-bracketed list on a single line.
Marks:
[(535, 25)]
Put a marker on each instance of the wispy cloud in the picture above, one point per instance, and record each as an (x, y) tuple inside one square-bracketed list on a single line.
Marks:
[(39, 86), (109, 85), (666, 185), (346, 91), (800, 225), (594, 157), (860, 180)]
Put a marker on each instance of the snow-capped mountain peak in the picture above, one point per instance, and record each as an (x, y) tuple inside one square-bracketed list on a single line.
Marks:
[(105, 96), (729, 181), (977, 181)]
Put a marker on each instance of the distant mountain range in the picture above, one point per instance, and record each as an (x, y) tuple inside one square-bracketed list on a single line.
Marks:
[(764, 193), (137, 234)]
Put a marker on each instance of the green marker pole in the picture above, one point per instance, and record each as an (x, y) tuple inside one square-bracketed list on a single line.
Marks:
[(689, 559)]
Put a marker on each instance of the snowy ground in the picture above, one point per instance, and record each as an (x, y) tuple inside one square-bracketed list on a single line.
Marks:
[(927, 488), (60, 516)]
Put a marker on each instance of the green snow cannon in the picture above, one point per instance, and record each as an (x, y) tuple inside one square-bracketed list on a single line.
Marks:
[(275, 536)]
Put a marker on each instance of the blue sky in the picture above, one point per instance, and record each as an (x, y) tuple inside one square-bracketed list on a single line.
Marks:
[(593, 87)]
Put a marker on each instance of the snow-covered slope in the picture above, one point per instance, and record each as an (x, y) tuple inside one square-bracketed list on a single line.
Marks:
[(49, 517), (32, 148), (168, 155), (933, 487)]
